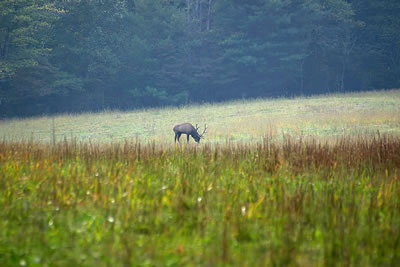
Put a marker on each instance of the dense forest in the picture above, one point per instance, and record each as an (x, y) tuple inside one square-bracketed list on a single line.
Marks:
[(88, 55)]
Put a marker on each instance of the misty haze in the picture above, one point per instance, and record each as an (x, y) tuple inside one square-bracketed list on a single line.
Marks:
[(199, 132)]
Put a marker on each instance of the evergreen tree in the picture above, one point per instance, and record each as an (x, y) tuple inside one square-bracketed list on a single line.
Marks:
[(379, 49), (65, 56), (25, 72)]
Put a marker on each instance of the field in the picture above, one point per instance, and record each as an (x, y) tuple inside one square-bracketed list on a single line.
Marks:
[(297, 182), (241, 121)]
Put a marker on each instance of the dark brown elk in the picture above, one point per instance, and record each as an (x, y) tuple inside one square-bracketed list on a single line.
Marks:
[(188, 129)]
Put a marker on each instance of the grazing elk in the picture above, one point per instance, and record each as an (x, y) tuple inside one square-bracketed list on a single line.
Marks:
[(188, 129)]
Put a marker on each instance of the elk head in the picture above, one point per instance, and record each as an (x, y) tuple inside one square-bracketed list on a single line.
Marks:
[(199, 136)]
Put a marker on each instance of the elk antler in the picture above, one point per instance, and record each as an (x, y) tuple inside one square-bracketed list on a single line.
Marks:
[(197, 127), (205, 130)]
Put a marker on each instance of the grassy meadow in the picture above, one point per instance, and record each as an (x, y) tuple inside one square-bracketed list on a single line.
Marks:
[(283, 182), (248, 121)]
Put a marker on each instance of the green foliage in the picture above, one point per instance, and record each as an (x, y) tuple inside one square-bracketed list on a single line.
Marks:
[(271, 41), (291, 203), (23, 29), (90, 55), (153, 96), (380, 41)]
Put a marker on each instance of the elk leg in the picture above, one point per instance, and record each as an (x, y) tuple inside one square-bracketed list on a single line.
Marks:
[(187, 136), (178, 135)]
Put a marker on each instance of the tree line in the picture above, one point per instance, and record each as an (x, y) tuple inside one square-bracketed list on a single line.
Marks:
[(88, 55)]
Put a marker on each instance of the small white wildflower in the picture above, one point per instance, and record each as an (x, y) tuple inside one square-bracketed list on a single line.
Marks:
[(22, 262), (36, 259), (51, 223), (164, 187), (88, 192), (209, 188), (244, 211), (199, 199), (49, 202), (110, 219), (125, 194), (112, 201)]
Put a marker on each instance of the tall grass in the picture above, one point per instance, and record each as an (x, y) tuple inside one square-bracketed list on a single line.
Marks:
[(295, 202)]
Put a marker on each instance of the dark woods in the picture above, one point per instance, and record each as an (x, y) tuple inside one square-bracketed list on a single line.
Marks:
[(89, 55)]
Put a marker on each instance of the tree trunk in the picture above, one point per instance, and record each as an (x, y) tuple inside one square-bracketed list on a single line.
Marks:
[(342, 75), (4, 49), (210, 2), (302, 75), (200, 15), (188, 11)]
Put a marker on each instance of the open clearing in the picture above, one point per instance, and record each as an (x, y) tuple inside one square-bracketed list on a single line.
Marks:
[(324, 116)]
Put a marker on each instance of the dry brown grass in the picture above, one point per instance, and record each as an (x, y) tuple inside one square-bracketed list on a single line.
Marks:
[(285, 203)]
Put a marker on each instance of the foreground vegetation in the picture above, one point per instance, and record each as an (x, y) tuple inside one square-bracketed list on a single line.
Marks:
[(294, 202)]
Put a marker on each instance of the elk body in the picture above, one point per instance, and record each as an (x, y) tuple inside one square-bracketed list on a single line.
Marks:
[(189, 130)]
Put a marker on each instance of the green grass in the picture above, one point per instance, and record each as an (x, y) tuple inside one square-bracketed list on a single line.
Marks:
[(326, 116), (293, 203), (285, 182)]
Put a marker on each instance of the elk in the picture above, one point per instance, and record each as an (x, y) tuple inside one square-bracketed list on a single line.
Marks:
[(188, 129)]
